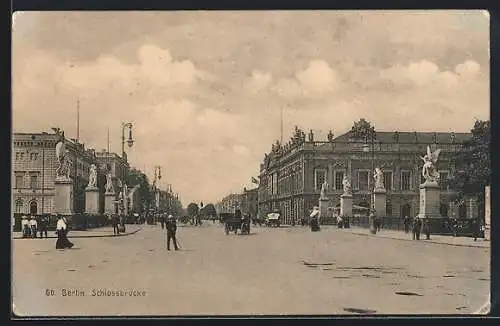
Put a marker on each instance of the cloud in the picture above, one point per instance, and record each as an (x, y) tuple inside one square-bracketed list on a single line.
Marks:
[(317, 80), (204, 90)]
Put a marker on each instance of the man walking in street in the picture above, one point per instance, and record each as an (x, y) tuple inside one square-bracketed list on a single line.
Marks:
[(115, 221), (44, 224), (171, 227), (162, 221), (417, 226), (475, 229), (407, 224)]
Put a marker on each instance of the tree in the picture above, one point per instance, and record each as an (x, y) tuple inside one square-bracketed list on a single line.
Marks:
[(472, 164), (137, 177), (208, 210), (193, 209), (363, 130)]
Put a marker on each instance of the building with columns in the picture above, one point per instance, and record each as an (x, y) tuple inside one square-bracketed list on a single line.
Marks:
[(292, 174), (250, 202), (34, 167), (229, 203)]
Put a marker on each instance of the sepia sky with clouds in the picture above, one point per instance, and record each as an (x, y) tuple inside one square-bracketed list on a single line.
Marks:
[(204, 89)]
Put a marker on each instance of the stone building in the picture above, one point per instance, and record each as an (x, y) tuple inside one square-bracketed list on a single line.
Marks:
[(250, 201), (292, 174), (34, 166), (119, 168), (229, 203)]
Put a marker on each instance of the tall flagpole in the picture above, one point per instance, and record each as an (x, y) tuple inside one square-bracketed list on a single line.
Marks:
[(281, 126), (108, 140), (77, 120)]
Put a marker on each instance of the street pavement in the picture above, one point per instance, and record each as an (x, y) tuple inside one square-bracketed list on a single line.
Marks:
[(272, 271), (438, 239), (106, 231)]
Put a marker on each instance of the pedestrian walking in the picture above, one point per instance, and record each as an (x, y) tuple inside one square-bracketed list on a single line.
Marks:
[(426, 228), (115, 223), (33, 227), (162, 221), (62, 234), (475, 229), (407, 224), (417, 226), (314, 222), (43, 225), (171, 227), (372, 220)]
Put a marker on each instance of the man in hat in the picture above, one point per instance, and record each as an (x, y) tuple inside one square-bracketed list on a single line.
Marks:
[(33, 226), (44, 223), (171, 227)]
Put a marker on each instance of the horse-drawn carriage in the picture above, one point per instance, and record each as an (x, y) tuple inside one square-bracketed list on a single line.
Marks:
[(273, 219), (233, 222)]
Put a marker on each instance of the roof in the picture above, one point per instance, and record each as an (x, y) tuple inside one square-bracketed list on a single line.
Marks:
[(409, 137)]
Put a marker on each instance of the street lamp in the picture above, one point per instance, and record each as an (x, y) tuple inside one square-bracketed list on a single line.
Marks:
[(157, 178), (129, 141), (366, 149)]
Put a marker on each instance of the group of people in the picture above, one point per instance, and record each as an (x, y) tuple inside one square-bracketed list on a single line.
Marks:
[(30, 226), (418, 226)]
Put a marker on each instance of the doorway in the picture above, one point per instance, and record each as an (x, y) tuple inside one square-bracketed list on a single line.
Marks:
[(33, 207)]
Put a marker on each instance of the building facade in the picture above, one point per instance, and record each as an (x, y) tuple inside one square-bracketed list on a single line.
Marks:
[(34, 167), (291, 175), (229, 203), (250, 202)]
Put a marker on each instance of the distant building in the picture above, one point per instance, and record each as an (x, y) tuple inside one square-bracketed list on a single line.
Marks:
[(229, 203), (292, 174), (250, 201)]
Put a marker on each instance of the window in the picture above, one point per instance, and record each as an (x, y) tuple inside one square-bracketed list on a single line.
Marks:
[(33, 156), (405, 180), (363, 177), (19, 181), (388, 180), (319, 178), (19, 156), (443, 180), (19, 205), (33, 181), (339, 177)]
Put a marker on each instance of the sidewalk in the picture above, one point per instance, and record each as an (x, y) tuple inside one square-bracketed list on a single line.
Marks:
[(439, 239), (106, 231)]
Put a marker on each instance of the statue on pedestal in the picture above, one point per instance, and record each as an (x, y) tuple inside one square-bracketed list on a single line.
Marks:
[(109, 183), (347, 185), (92, 177), (330, 136), (378, 176), (429, 169), (311, 135)]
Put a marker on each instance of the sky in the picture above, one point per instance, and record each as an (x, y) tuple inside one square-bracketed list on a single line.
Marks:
[(204, 89)]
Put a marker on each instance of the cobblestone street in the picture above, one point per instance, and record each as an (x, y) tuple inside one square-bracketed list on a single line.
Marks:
[(271, 271)]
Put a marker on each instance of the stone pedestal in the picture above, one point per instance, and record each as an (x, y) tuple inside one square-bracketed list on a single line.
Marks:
[(109, 203), (92, 201), (63, 198), (323, 208), (346, 205), (379, 201), (429, 200)]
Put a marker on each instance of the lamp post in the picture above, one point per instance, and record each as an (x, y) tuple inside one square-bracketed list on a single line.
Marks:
[(157, 178), (366, 149), (129, 141)]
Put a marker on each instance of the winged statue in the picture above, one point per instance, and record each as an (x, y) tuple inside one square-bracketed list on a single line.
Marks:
[(429, 169)]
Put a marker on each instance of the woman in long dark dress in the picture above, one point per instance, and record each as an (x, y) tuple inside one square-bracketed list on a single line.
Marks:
[(62, 232)]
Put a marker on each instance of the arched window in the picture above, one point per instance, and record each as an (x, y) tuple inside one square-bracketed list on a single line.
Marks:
[(33, 207), (19, 205)]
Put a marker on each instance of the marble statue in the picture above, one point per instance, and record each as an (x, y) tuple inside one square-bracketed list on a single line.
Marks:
[(330, 136), (92, 176), (378, 176), (68, 164), (347, 185), (109, 183), (311, 135), (61, 153), (429, 169), (324, 188)]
